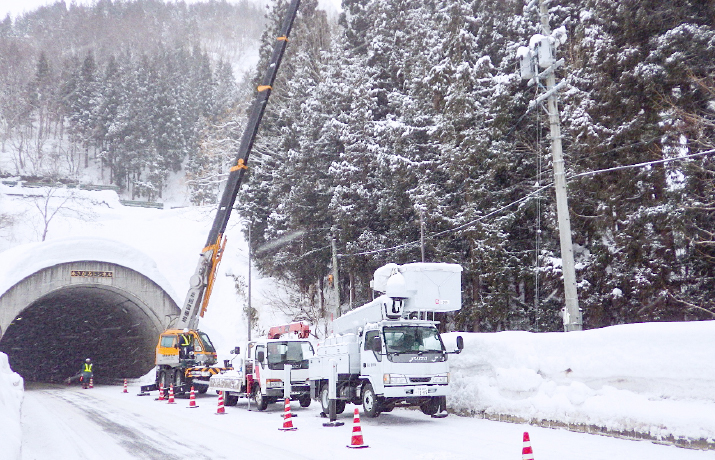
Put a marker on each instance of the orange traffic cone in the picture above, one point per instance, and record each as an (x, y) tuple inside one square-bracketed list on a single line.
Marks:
[(125, 387), (171, 394), (161, 392), (91, 382), (526, 452), (356, 442), (221, 410), (192, 399), (287, 419)]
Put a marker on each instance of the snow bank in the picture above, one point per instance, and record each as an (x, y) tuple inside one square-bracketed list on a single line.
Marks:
[(11, 394), (648, 378)]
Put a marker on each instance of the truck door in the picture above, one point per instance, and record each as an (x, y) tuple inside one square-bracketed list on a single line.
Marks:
[(258, 367), (371, 360)]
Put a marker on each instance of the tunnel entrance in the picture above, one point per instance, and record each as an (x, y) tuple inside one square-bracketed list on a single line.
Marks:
[(49, 340)]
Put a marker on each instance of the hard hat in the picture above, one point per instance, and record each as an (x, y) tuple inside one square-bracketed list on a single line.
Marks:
[(88, 360), (186, 331)]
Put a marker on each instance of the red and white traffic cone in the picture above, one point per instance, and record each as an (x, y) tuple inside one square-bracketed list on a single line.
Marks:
[(526, 452), (171, 394), (161, 392), (125, 387), (221, 410), (192, 399), (91, 382), (287, 419), (357, 442)]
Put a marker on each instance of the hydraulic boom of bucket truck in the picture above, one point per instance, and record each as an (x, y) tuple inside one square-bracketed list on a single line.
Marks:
[(184, 355), (388, 352)]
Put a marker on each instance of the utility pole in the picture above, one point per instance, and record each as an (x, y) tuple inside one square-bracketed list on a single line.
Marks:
[(336, 286), (572, 318), (422, 234)]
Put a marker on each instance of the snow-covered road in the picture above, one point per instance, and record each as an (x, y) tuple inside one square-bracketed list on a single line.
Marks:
[(68, 423)]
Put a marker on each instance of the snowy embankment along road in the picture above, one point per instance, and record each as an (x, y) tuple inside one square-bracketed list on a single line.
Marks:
[(643, 379)]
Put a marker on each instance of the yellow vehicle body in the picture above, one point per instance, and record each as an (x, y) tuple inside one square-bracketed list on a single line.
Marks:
[(194, 370)]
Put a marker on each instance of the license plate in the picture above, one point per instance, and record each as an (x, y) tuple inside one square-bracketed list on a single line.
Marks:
[(421, 391)]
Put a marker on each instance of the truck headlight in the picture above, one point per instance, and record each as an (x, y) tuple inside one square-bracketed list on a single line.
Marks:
[(274, 383), (394, 379), (444, 378)]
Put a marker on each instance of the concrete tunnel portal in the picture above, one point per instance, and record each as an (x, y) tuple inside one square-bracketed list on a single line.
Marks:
[(56, 317)]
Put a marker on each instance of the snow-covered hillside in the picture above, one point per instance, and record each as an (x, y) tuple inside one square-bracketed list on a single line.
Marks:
[(644, 378)]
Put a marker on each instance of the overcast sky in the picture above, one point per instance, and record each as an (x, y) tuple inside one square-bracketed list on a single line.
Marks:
[(17, 7)]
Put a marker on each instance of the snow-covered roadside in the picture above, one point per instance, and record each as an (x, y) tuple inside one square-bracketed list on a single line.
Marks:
[(11, 395), (646, 379)]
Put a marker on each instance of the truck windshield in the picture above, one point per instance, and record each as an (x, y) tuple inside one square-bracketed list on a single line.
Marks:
[(412, 339), (294, 353), (208, 346)]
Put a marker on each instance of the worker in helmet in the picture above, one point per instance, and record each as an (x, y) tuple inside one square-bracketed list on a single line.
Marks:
[(87, 372), (186, 345)]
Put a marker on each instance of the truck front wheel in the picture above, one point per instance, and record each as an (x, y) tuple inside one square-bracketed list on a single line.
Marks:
[(431, 406), (261, 401), (304, 400), (369, 401)]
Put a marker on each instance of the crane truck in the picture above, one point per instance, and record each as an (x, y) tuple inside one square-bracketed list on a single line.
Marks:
[(389, 352), (266, 366), (196, 368)]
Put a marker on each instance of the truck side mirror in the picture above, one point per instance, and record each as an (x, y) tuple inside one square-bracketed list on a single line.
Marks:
[(460, 344), (260, 356), (376, 345), (236, 351)]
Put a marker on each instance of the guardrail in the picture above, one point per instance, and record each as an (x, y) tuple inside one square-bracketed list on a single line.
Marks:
[(142, 204)]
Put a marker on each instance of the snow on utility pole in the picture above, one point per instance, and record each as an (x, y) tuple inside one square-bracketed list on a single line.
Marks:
[(541, 51)]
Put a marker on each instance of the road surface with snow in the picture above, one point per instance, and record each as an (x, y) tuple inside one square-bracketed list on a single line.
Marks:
[(68, 423)]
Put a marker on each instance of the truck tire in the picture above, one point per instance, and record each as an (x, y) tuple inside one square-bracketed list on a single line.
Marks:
[(178, 379), (431, 406), (261, 401), (324, 401), (164, 378), (231, 399), (304, 400), (370, 403)]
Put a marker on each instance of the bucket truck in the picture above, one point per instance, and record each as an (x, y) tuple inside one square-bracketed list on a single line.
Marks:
[(389, 352), (195, 368)]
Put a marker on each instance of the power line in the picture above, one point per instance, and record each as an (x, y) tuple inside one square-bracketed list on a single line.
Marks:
[(640, 165), (525, 198), (452, 230)]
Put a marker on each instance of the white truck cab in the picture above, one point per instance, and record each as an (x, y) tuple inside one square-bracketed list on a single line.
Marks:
[(262, 370)]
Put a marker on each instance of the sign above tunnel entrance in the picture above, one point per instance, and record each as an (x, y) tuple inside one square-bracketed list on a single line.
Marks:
[(91, 274)]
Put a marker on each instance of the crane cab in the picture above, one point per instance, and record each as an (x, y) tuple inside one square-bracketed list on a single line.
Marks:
[(168, 350)]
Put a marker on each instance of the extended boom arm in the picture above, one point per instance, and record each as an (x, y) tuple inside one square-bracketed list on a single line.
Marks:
[(202, 280)]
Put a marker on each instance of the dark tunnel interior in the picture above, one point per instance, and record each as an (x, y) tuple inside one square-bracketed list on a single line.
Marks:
[(50, 339)]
